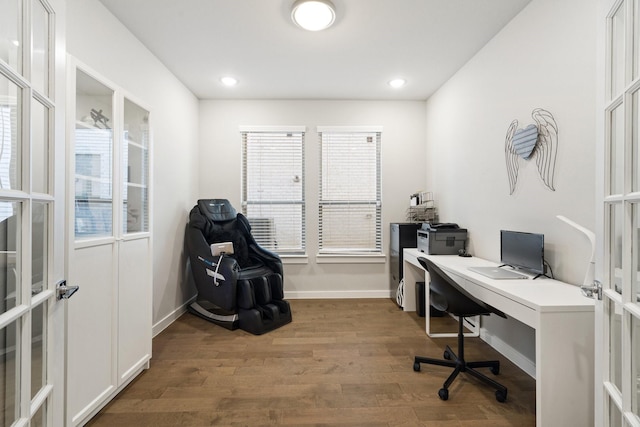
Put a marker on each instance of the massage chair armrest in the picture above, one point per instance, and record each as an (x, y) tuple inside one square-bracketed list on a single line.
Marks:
[(227, 263), (270, 259), (216, 283), (265, 256)]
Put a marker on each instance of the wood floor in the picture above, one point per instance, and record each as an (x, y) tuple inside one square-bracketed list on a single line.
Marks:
[(339, 363)]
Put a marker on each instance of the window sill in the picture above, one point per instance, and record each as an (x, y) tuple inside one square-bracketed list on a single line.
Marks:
[(351, 259), (294, 259)]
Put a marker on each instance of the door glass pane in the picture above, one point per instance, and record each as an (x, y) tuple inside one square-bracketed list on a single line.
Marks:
[(615, 344), (635, 149), (38, 345), (10, 135), (615, 416), (9, 255), (635, 365), (40, 62), (9, 374), (39, 242), (135, 161), (636, 40), (616, 247), (40, 417), (616, 151), (635, 251), (39, 147), (94, 158), (11, 33), (617, 51)]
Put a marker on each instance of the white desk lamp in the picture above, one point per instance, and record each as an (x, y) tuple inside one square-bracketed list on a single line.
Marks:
[(589, 277)]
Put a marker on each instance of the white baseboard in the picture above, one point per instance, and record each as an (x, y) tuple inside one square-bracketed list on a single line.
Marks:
[(170, 318), (520, 360), (336, 294)]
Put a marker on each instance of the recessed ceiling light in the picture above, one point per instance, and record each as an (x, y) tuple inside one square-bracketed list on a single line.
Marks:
[(397, 83), (313, 15), (229, 81)]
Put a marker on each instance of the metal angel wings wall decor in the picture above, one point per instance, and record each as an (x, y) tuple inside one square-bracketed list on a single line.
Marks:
[(539, 141)]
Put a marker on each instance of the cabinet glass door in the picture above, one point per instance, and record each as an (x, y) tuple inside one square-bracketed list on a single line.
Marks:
[(93, 158), (135, 162)]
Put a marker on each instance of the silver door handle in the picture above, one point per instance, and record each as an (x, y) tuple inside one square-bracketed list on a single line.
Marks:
[(64, 291), (594, 291)]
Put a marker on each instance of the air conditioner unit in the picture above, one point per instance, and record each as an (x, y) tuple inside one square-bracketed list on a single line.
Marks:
[(264, 231)]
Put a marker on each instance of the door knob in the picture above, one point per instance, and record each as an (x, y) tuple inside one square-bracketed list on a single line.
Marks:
[(64, 291), (594, 291)]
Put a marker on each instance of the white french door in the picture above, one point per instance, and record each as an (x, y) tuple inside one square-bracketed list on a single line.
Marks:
[(31, 212), (618, 314)]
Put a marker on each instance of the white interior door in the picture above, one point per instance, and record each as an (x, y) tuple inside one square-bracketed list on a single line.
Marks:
[(31, 212), (618, 315)]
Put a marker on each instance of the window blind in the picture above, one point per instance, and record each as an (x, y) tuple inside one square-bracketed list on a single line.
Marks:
[(350, 207), (273, 198)]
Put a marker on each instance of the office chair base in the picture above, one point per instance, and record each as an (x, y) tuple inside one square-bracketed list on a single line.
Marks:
[(460, 365)]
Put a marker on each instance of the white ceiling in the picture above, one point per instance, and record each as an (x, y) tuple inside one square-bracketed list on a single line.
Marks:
[(371, 42)]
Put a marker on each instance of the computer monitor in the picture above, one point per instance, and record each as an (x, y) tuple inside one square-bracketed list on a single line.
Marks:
[(522, 250)]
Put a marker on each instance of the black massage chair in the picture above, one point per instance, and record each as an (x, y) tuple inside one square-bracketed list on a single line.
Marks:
[(242, 289)]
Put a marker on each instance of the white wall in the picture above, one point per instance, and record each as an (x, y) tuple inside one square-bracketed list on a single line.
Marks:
[(403, 173), (545, 57), (101, 42)]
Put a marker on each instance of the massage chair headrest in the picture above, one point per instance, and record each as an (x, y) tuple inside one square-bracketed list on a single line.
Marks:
[(217, 209)]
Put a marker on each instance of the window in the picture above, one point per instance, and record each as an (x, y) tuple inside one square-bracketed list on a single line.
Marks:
[(273, 197), (350, 208)]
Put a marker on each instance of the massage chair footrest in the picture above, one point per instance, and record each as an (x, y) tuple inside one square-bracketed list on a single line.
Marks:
[(264, 318)]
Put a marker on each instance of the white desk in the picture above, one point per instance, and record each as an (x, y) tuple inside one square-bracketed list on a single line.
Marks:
[(563, 320)]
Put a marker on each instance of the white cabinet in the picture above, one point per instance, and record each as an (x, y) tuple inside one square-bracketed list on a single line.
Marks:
[(110, 246)]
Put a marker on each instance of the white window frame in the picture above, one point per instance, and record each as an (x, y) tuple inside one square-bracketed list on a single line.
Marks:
[(353, 254), (291, 253)]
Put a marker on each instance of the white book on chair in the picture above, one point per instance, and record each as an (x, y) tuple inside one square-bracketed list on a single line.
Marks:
[(221, 248)]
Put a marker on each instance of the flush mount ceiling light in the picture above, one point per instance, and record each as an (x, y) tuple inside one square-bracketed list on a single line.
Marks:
[(397, 83), (313, 15), (229, 81)]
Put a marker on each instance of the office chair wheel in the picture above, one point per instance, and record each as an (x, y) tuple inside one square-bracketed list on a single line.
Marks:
[(495, 370), (416, 367), (501, 396), (447, 355), (443, 393)]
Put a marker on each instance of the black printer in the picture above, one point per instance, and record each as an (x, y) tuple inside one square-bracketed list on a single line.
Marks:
[(441, 239)]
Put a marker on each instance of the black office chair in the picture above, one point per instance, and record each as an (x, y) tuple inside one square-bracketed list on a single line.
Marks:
[(447, 295)]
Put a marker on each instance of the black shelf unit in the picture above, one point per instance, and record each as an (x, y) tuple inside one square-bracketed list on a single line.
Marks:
[(402, 235)]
